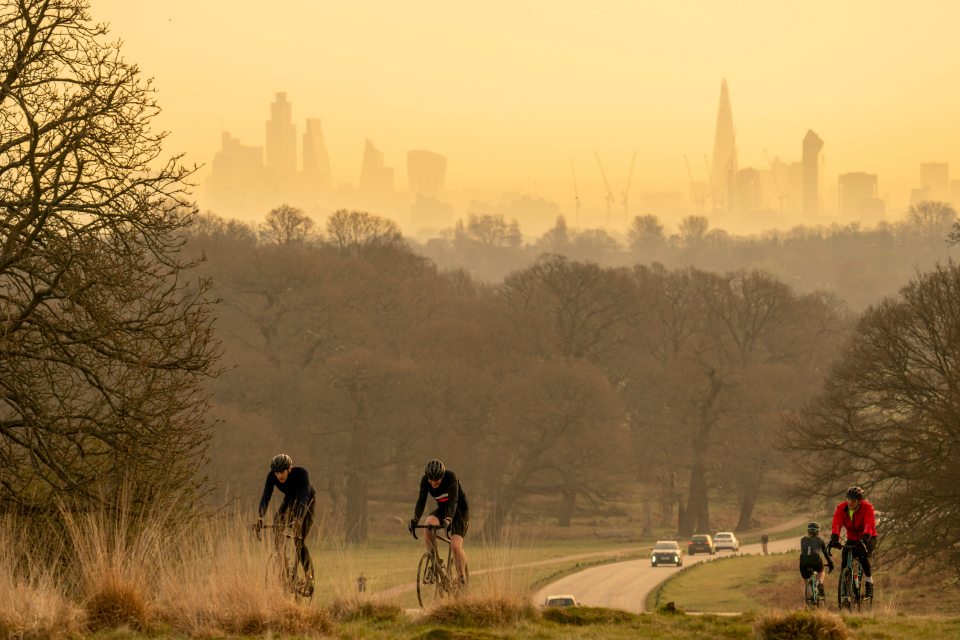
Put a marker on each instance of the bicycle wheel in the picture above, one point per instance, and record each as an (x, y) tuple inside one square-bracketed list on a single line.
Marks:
[(291, 574), (845, 589), (430, 581), (808, 596)]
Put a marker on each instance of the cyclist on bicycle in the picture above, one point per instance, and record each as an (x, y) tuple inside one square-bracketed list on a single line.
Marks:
[(452, 510), (296, 509), (812, 552), (856, 515)]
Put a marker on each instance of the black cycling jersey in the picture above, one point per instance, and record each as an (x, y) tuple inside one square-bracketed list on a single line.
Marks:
[(811, 547), (451, 501), (297, 492)]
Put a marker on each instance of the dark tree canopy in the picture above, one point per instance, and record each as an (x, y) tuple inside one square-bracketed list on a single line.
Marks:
[(889, 416), (103, 336)]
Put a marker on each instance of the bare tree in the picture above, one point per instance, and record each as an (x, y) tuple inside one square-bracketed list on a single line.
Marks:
[(693, 229), (104, 336), (644, 231), (889, 416), (286, 224), (357, 231)]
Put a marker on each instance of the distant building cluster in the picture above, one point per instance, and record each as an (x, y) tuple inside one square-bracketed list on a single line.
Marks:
[(248, 181)]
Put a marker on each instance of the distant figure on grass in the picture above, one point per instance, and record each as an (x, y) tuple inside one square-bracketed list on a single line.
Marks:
[(856, 515), (764, 539), (296, 509), (812, 547), (452, 510)]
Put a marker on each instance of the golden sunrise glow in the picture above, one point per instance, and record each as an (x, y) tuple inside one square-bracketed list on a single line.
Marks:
[(512, 92)]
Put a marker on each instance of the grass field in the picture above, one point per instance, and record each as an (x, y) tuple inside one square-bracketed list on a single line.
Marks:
[(762, 583)]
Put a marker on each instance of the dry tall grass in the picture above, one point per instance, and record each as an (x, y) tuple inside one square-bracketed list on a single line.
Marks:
[(32, 601), (801, 625)]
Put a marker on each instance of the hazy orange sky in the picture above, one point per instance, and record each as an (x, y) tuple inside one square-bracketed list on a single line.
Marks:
[(512, 91)]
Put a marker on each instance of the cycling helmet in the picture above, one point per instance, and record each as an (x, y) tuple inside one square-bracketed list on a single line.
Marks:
[(813, 528), (434, 470), (280, 462), (855, 493)]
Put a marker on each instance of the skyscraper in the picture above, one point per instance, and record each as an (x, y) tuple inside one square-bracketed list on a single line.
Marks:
[(316, 162), (375, 178), (812, 144), (858, 196), (281, 138), (723, 173)]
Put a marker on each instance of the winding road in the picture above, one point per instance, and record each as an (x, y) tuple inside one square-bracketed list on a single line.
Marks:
[(626, 585)]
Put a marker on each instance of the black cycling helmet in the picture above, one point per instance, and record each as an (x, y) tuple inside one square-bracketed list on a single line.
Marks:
[(813, 528), (280, 462), (855, 493), (434, 469)]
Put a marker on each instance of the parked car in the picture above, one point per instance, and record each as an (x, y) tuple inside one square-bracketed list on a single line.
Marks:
[(726, 540), (666, 552), (562, 600), (701, 542)]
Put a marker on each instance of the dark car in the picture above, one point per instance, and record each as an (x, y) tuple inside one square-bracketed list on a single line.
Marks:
[(701, 542), (666, 552)]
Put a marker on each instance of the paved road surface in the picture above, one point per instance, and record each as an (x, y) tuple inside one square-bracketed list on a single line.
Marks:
[(626, 585)]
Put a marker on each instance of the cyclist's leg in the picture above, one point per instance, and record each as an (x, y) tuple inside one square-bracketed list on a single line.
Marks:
[(434, 520), (305, 523), (458, 533)]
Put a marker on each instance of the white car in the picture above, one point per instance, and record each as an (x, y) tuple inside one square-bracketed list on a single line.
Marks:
[(726, 540), (562, 600)]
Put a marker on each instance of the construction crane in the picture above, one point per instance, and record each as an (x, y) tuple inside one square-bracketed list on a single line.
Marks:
[(606, 184), (576, 194), (626, 192), (697, 192)]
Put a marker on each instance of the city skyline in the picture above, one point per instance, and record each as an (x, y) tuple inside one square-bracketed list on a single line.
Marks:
[(512, 118)]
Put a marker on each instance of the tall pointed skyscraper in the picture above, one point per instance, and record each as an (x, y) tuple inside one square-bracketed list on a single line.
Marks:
[(723, 173), (316, 161), (812, 144)]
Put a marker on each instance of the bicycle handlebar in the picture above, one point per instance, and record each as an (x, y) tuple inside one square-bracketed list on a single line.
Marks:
[(431, 527)]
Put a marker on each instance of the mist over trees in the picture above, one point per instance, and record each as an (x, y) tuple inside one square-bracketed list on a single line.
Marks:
[(856, 264), (105, 335), (563, 384)]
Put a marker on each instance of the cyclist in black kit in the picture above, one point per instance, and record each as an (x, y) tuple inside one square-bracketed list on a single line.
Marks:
[(296, 508), (812, 547), (452, 510)]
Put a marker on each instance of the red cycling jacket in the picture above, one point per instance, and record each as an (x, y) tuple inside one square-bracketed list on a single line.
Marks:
[(863, 520)]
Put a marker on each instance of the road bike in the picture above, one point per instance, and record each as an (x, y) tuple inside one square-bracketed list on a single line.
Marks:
[(435, 579), (850, 588), (812, 591), (284, 558)]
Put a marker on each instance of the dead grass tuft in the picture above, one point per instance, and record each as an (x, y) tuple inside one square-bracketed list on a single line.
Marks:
[(801, 625), (583, 616), (350, 609), (116, 605), (495, 611)]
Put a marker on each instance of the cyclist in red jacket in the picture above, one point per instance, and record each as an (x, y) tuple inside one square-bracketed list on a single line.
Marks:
[(856, 515)]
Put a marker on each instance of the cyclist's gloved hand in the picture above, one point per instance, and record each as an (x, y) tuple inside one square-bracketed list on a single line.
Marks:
[(834, 541), (447, 523), (829, 567), (412, 526)]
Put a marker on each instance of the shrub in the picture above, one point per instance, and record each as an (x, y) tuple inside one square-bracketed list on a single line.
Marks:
[(580, 616), (346, 609), (483, 612), (116, 605), (801, 625)]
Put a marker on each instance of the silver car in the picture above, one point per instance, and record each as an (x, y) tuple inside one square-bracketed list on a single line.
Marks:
[(726, 540), (666, 552)]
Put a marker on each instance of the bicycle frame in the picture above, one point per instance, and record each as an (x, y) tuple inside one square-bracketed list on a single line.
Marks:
[(851, 581), (431, 570), (813, 592), (284, 553)]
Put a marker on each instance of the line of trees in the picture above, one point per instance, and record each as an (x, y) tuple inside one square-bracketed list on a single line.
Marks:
[(567, 380)]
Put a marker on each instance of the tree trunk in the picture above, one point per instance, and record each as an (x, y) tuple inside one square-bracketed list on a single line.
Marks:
[(567, 504), (647, 531), (698, 500), (496, 519), (748, 500), (668, 497)]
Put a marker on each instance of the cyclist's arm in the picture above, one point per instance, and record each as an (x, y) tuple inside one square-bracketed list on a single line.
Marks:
[(303, 492), (267, 492), (869, 519), (421, 501)]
